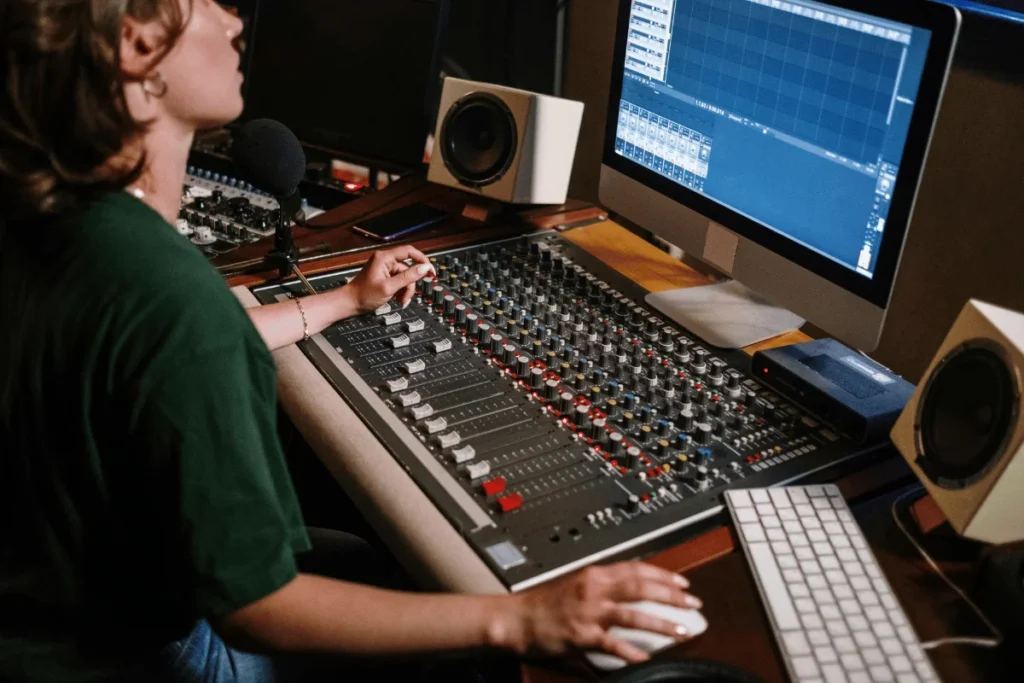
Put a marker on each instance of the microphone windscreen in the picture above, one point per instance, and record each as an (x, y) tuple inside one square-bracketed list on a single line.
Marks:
[(268, 155)]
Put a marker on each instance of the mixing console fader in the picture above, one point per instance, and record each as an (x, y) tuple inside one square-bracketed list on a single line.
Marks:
[(550, 417)]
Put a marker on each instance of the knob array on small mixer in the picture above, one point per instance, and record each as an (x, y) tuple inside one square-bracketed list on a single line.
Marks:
[(578, 422)]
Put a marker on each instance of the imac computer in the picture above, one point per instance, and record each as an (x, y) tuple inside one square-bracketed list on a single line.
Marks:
[(782, 142)]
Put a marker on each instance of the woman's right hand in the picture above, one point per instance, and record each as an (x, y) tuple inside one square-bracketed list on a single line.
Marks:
[(575, 613)]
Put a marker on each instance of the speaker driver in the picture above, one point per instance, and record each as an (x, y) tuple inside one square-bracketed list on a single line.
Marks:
[(969, 406), (478, 139)]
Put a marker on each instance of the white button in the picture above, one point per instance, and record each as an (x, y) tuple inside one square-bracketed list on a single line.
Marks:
[(740, 498), (796, 643), (745, 514), (752, 532), (464, 454), (478, 469), (804, 667)]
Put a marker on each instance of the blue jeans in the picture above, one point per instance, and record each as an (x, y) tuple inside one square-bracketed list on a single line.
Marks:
[(202, 657)]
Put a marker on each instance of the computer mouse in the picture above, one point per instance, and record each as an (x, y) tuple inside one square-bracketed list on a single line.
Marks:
[(690, 619)]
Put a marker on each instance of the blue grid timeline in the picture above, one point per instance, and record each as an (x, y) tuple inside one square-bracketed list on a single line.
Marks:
[(826, 84)]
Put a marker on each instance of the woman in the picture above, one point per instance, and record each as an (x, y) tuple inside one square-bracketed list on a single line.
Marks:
[(145, 501)]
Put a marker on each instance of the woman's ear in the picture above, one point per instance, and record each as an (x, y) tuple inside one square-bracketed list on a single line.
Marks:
[(140, 45)]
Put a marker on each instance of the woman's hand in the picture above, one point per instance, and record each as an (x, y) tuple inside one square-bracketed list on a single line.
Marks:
[(386, 276), (576, 612)]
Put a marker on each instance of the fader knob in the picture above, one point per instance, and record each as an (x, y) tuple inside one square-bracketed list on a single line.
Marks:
[(608, 299), (614, 388)]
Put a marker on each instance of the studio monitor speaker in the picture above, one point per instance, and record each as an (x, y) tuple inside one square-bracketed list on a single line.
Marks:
[(962, 431), (503, 143)]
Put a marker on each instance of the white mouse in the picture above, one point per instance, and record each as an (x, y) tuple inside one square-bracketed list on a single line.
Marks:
[(690, 619)]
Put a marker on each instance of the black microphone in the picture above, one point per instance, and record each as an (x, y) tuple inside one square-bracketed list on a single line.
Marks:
[(268, 155)]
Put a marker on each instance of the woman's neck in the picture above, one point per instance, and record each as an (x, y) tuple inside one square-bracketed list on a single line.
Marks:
[(160, 184)]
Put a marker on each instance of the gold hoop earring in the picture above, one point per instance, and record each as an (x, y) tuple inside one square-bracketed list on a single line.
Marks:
[(154, 86)]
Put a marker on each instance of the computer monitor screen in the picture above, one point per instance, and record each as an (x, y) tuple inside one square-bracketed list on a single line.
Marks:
[(799, 125), (356, 78)]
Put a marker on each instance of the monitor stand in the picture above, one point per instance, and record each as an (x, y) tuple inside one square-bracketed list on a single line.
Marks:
[(727, 314)]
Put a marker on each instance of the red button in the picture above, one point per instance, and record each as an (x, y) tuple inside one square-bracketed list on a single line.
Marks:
[(510, 502), (494, 486)]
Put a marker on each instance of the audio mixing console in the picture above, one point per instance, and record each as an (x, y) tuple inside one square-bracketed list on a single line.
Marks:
[(549, 416)]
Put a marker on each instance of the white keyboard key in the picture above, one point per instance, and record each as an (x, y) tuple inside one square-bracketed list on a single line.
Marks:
[(836, 577), (815, 491), (831, 612), (797, 495), (837, 629), (833, 528), (765, 509), (860, 677), (805, 511), (838, 502), (805, 606), (799, 540), (868, 599), (788, 515), (833, 673), (854, 569), (746, 515), (781, 548), (760, 496), (810, 567), (821, 504), (858, 624), (792, 526), (924, 671), (811, 622), (907, 636), (844, 644), (900, 664), (844, 515), (816, 535), (796, 643), (875, 614), (873, 571), (847, 554), (829, 562), (779, 498), (772, 586), (804, 667), (823, 597), (841, 542), (881, 674), (842, 591), (826, 655), (860, 583), (777, 535), (804, 553), (771, 522), (740, 498), (866, 641), (816, 581), (792, 576), (891, 646), (849, 607), (752, 532), (822, 548), (818, 638), (872, 656), (811, 523), (852, 661), (786, 561), (829, 516), (799, 590)]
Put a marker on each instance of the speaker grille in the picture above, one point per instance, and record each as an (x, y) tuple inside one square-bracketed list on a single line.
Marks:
[(478, 139), (968, 410)]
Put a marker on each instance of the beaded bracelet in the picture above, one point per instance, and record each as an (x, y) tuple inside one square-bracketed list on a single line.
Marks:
[(305, 325)]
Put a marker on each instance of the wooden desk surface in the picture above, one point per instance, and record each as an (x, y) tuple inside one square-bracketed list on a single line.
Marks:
[(739, 632)]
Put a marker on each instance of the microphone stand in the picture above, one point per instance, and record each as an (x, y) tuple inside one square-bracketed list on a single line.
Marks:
[(284, 256)]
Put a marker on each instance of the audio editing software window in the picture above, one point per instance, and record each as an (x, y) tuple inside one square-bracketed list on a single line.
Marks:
[(794, 114)]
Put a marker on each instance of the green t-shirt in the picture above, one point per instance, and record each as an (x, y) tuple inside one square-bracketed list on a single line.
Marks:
[(142, 484)]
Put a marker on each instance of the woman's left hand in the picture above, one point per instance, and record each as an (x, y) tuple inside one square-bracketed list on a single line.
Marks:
[(386, 276)]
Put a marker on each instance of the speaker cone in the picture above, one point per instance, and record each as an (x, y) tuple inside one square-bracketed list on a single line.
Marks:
[(968, 409), (478, 139)]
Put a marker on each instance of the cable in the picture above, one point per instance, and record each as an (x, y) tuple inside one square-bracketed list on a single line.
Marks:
[(955, 640)]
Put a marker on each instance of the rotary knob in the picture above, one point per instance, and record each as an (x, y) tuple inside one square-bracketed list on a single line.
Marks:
[(633, 504), (646, 435), (664, 428), (699, 364), (522, 364), (636, 318), (686, 420), (629, 402), (536, 377), (550, 388), (597, 428), (460, 314), (622, 309), (703, 434), (632, 458), (715, 376), (497, 341), (732, 388), (508, 355), (581, 416), (565, 403), (615, 443), (437, 295), (651, 330)]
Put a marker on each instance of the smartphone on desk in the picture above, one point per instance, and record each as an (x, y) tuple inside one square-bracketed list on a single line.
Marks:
[(394, 224)]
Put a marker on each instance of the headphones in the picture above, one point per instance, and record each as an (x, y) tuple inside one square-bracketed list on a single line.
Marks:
[(683, 671)]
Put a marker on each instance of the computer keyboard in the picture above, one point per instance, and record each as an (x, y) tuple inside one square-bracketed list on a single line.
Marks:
[(834, 614)]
